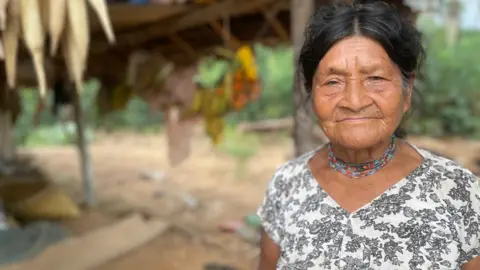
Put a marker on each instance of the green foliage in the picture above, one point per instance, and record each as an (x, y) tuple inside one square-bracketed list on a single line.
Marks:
[(56, 134), (450, 88), (137, 116), (240, 146), (49, 130), (210, 72)]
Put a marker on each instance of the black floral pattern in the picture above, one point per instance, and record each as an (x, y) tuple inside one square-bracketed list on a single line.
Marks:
[(429, 220)]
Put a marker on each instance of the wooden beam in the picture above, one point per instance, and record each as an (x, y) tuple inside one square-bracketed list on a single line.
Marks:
[(178, 57), (277, 7), (280, 5), (271, 17), (227, 36), (127, 16), (199, 16), (183, 45)]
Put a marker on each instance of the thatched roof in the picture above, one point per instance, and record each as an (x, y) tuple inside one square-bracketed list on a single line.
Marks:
[(183, 32)]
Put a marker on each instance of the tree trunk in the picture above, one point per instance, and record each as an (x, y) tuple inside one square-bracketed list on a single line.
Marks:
[(452, 22), (303, 123), (85, 160), (10, 108), (7, 144)]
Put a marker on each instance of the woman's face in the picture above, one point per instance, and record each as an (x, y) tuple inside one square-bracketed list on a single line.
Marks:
[(358, 94)]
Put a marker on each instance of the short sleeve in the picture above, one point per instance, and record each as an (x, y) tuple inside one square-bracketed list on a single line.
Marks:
[(271, 211), (470, 233)]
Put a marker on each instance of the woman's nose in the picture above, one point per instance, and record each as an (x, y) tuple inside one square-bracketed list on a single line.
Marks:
[(355, 96)]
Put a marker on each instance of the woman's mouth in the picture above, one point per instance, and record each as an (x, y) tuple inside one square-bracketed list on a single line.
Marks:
[(357, 119)]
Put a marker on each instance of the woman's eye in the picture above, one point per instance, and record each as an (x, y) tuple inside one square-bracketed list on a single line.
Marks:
[(332, 82), (376, 78)]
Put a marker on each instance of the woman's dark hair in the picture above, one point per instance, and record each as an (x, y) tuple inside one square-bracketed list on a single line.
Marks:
[(377, 21)]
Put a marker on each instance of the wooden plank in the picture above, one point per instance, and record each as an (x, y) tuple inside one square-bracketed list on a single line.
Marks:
[(277, 7), (198, 16)]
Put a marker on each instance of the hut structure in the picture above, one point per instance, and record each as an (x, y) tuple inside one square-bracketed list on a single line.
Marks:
[(160, 34)]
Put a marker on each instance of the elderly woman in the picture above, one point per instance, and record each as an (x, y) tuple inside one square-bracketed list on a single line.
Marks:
[(368, 199)]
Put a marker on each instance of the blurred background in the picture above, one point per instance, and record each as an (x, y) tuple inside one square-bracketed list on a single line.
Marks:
[(161, 159)]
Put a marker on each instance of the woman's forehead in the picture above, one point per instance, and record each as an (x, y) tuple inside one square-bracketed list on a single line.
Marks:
[(356, 53)]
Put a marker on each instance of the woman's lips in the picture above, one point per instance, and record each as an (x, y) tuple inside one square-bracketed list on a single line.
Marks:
[(357, 119)]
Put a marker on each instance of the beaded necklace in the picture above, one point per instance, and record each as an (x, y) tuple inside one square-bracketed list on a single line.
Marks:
[(362, 169)]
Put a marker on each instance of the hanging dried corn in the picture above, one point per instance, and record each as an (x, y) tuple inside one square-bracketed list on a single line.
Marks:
[(100, 7), (33, 34), (44, 14), (3, 13), (11, 35), (76, 41), (56, 22), (78, 25)]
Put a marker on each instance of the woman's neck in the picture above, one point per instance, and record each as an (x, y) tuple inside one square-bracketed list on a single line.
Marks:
[(358, 156)]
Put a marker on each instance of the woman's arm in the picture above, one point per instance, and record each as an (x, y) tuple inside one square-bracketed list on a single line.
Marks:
[(270, 253), (471, 218), (472, 265)]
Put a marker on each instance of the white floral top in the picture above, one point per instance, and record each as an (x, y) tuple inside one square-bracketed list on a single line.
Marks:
[(428, 220)]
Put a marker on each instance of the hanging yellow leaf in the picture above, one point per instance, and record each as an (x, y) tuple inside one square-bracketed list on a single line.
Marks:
[(247, 59)]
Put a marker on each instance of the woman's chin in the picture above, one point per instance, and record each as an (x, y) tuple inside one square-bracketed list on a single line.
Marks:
[(357, 139)]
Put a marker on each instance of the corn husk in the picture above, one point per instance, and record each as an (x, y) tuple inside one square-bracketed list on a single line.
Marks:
[(100, 8), (33, 34), (77, 15), (11, 34), (44, 6), (76, 41), (56, 23), (3, 13), (72, 58)]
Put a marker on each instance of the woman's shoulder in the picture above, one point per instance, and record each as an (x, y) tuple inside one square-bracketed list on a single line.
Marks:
[(452, 175), (444, 164), (296, 166), (292, 175)]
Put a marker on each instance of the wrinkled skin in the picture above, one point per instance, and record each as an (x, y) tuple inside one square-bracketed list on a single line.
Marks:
[(359, 98)]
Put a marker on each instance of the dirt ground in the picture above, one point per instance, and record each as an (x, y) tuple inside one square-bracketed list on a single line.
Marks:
[(132, 174)]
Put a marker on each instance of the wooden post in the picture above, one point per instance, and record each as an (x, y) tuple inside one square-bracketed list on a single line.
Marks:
[(7, 144), (452, 22), (303, 138), (85, 160), (10, 108)]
